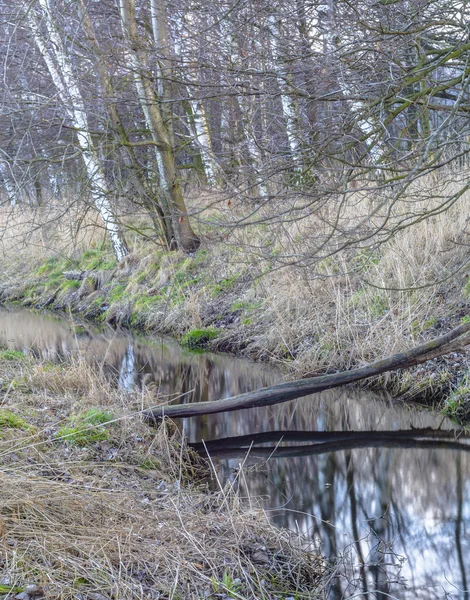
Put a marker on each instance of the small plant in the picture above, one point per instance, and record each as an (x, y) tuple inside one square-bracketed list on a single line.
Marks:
[(97, 260), (8, 420), (116, 293), (69, 284), (228, 585), (198, 338), (87, 428), (457, 406), (11, 355), (224, 285)]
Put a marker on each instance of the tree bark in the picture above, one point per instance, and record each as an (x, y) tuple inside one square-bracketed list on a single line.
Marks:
[(283, 392), (161, 130)]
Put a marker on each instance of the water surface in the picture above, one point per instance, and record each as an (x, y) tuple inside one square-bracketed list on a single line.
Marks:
[(393, 502)]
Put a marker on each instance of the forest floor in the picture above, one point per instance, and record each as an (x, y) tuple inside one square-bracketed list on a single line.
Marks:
[(97, 505)]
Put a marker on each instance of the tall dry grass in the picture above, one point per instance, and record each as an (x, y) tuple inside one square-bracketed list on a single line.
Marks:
[(127, 516), (281, 290)]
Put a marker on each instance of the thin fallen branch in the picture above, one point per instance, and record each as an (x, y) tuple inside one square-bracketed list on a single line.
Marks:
[(291, 390)]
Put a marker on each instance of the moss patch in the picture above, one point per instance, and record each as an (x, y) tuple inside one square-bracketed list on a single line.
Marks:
[(199, 338), (87, 428)]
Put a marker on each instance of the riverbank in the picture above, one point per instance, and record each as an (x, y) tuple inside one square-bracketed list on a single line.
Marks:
[(98, 505), (346, 311)]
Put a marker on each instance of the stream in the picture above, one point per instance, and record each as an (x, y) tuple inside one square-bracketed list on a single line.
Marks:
[(393, 502)]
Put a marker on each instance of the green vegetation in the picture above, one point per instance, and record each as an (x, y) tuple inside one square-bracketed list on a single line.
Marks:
[(12, 355), (70, 284), (457, 406), (87, 428), (10, 420), (228, 585), (95, 259), (116, 292), (199, 338), (224, 285)]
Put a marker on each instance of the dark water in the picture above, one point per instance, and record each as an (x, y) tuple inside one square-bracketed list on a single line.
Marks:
[(394, 500)]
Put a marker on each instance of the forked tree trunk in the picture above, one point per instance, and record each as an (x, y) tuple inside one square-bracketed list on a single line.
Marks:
[(161, 131), (148, 198)]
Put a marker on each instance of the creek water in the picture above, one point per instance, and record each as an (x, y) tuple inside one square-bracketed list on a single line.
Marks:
[(394, 501)]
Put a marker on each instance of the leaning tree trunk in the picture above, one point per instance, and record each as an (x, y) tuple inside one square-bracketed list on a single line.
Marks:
[(58, 63), (161, 131)]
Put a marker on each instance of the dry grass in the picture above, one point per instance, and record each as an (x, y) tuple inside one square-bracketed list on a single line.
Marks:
[(125, 516), (278, 291)]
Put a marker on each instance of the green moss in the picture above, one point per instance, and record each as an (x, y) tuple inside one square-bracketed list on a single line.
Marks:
[(12, 355), (87, 428), (224, 285), (199, 338), (8, 420), (81, 436)]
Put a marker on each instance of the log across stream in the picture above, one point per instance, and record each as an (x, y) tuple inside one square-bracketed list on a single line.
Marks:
[(291, 390)]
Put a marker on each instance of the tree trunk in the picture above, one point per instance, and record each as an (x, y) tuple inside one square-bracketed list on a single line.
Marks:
[(161, 131), (63, 77), (148, 198), (283, 392)]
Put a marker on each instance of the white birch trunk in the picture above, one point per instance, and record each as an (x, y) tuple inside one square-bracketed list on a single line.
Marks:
[(58, 64), (201, 126), (8, 183), (288, 103)]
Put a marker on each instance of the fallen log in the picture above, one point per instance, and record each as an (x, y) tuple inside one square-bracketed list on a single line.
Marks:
[(291, 390)]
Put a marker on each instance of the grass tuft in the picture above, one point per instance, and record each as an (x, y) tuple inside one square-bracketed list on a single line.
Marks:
[(13, 355), (199, 338)]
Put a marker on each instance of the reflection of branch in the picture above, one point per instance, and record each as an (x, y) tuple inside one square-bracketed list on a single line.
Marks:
[(458, 529), (254, 439), (291, 390), (357, 440)]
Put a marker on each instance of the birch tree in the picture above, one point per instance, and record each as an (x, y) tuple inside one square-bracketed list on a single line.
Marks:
[(46, 36)]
